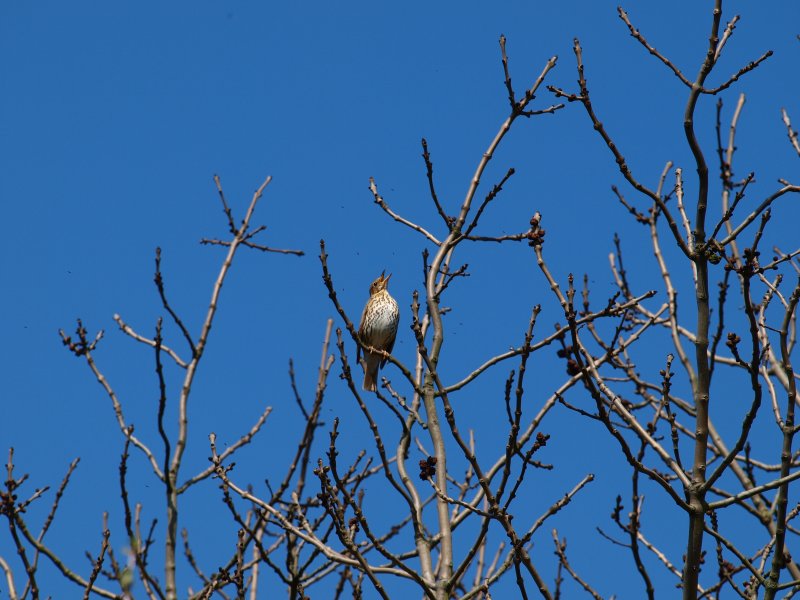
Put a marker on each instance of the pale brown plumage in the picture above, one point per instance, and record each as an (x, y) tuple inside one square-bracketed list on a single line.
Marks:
[(378, 329)]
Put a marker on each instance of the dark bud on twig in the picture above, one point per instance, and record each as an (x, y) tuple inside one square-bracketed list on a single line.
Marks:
[(733, 341), (536, 233), (427, 467), (750, 262), (572, 367), (615, 514), (541, 440), (564, 352), (82, 346)]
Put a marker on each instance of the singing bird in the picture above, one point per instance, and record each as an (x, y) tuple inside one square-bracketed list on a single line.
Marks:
[(378, 329)]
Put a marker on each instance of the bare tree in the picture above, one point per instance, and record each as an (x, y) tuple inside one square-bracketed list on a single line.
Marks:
[(458, 526), (710, 246)]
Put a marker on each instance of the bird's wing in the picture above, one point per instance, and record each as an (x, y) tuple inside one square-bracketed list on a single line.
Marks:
[(361, 333), (389, 345)]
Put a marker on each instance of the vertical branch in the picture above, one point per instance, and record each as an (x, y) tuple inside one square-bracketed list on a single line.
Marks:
[(432, 291), (672, 294), (186, 388), (696, 496), (422, 542), (634, 524), (169, 482), (727, 166), (98, 564), (788, 427)]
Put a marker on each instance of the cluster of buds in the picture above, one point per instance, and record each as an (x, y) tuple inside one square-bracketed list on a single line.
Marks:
[(427, 467), (751, 264), (81, 346), (733, 341), (751, 259), (733, 345), (572, 365), (573, 368), (536, 233), (714, 252), (541, 440)]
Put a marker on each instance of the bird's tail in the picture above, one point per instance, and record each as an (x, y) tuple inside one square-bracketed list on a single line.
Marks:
[(370, 362)]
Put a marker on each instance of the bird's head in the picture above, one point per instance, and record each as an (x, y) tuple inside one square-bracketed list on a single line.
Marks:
[(380, 284)]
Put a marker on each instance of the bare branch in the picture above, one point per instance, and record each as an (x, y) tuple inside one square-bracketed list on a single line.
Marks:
[(382, 203), (641, 39)]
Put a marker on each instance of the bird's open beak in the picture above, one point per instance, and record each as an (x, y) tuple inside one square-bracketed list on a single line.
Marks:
[(387, 277)]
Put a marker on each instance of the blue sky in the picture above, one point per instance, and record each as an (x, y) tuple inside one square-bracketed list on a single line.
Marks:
[(114, 118)]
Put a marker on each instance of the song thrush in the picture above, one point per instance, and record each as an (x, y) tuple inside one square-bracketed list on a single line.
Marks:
[(378, 329)]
